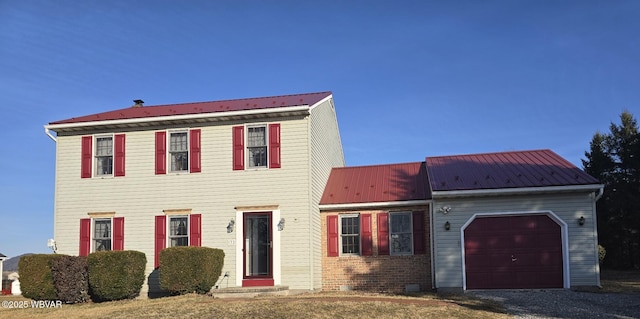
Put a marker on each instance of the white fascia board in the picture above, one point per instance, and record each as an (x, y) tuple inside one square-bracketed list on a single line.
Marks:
[(512, 191), (330, 96), (375, 204), (179, 117)]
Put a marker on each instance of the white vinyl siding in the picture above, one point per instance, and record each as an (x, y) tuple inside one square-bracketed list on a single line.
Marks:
[(326, 152), (214, 193)]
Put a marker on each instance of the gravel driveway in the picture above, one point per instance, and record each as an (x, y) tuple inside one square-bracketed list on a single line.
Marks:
[(562, 303)]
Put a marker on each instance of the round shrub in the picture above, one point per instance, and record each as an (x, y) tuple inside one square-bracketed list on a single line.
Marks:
[(116, 275), (190, 269), (36, 280)]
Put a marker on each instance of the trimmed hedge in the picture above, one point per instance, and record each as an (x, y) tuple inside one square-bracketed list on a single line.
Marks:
[(36, 280), (190, 269), (71, 278), (116, 275)]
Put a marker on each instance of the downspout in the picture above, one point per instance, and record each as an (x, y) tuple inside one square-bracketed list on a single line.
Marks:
[(46, 131), (595, 231), (600, 193)]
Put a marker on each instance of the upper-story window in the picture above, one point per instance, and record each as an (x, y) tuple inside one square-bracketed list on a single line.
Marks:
[(257, 146), (262, 146), (104, 155), (179, 151)]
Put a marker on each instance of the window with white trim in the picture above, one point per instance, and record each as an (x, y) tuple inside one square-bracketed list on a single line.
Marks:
[(178, 231), (104, 155), (102, 234), (257, 146), (400, 233), (179, 151), (349, 234)]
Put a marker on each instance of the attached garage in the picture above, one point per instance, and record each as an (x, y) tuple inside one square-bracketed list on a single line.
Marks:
[(513, 220), (513, 252)]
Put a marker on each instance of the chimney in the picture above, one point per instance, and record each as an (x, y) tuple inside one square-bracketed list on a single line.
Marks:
[(138, 103)]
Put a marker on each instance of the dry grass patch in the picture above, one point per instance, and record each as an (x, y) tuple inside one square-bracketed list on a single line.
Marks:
[(322, 305), (620, 281)]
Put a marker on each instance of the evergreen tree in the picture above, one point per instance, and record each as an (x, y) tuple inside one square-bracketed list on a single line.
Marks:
[(614, 159)]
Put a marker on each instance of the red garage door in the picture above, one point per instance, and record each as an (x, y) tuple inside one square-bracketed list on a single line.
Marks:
[(513, 252)]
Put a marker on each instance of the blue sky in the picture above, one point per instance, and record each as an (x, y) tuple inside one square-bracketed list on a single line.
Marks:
[(410, 78)]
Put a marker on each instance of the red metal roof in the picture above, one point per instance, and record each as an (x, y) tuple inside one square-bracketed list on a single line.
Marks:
[(202, 107), (503, 170), (378, 183)]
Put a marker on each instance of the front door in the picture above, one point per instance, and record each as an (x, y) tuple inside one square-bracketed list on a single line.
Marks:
[(258, 250)]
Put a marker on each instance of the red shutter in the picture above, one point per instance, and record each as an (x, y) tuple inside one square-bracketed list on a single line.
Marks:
[(366, 235), (332, 236), (85, 236), (194, 145), (383, 233), (274, 146), (238, 148), (86, 157), (419, 246), (161, 237), (119, 155), (118, 233), (195, 230), (161, 153)]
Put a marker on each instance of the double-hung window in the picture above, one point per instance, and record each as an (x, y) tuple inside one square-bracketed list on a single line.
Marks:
[(102, 234), (400, 233), (350, 234), (104, 155), (257, 146), (179, 151), (178, 231)]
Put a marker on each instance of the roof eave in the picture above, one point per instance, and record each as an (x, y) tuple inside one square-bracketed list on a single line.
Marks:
[(515, 191), (419, 202), (195, 118)]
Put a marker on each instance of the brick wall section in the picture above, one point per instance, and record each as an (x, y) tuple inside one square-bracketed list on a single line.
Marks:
[(376, 273)]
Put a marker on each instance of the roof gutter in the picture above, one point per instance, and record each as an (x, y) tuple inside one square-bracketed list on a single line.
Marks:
[(179, 117), (374, 204), (46, 131), (512, 191)]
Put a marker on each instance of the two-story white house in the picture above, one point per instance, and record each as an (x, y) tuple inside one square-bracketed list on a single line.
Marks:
[(245, 176)]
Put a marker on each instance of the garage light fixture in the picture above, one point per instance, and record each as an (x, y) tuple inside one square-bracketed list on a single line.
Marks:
[(447, 225), (581, 221)]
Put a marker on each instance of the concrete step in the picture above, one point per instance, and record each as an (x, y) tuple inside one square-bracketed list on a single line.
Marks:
[(249, 292)]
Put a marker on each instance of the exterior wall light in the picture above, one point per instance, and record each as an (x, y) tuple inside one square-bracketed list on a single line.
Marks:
[(230, 226), (581, 221), (281, 224), (447, 225)]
